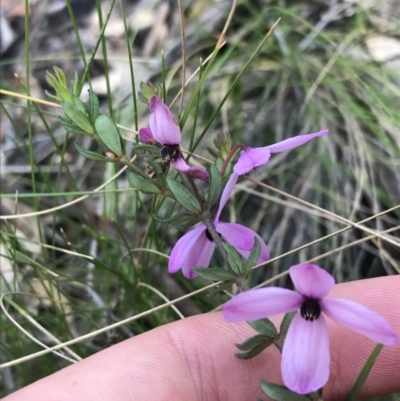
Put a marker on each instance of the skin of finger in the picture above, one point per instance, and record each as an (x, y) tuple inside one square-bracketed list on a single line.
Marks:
[(193, 359)]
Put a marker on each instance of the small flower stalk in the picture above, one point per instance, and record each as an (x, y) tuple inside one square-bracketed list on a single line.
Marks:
[(305, 353)]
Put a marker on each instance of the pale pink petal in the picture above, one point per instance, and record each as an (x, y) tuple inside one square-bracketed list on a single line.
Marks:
[(242, 238), (305, 355), (360, 319), (163, 124), (260, 303), (197, 172), (311, 280), (294, 142), (192, 250), (145, 135), (227, 192), (251, 158)]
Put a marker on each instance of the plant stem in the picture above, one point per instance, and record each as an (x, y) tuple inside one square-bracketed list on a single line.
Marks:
[(125, 160), (215, 236), (189, 183), (230, 156)]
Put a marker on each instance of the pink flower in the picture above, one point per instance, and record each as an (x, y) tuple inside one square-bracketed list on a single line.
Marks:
[(305, 354), (165, 130), (196, 247), (254, 157)]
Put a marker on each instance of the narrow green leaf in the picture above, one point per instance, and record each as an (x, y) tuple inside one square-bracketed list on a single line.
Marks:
[(93, 106), (226, 146), (109, 134), (143, 185), (154, 150), (79, 104), (254, 341), (254, 351), (91, 155), (69, 126), (181, 221), (76, 85), (281, 393), (213, 273), (156, 166), (161, 219), (287, 319), (234, 259), (219, 163), (254, 255), (77, 117), (60, 76), (183, 195), (352, 396), (214, 189), (216, 290), (264, 326)]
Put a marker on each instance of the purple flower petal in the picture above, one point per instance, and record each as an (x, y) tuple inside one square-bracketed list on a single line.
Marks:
[(251, 158), (305, 355), (294, 142), (242, 238), (197, 172), (237, 235), (192, 250), (311, 280), (360, 319), (145, 135), (260, 303), (163, 124), (227, 192)]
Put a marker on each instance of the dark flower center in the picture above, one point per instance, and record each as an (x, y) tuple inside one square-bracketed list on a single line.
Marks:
[(170, 152), (310, 310), (208, 235)]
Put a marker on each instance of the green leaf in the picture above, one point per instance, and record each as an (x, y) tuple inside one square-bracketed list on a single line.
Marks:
[(69, 126), (154, 150), (287, 319), (181, 221), (92, 155), (77, 117), (214, 189), (264, 326), (226, 146), (59, 83), (156, 166), (147, 91), (281, 393), (254, 351), (142, 184), (109, 134), (213, 273), (255, 341), (183, 196), (61, 78), (352, 396), (216, 290), (219, 163), (254, 255), (234, 259), (93, 106), (79, 104), (76, 85)]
